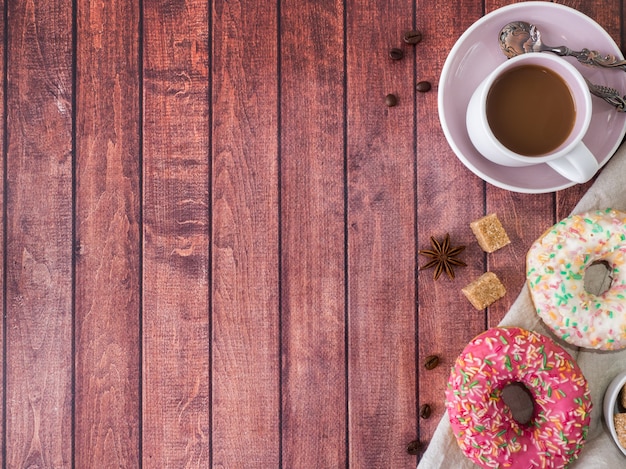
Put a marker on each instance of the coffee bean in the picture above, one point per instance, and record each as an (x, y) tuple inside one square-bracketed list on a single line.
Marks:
[(396, 54), (423, 86), (414, 447), (391, 100), (425, 411), (413, 37), (431, 362)]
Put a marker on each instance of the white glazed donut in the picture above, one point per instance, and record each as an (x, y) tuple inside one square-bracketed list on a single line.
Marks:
[(555, 268)]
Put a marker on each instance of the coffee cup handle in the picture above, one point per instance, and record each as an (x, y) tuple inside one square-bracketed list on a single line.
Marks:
[(579, 165)]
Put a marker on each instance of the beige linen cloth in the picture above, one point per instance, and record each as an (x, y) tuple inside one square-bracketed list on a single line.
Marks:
[(599, 452)]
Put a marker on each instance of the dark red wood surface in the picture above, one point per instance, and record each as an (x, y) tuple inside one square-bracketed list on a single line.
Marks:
[(38, 251), (211, 225), (106, 237)]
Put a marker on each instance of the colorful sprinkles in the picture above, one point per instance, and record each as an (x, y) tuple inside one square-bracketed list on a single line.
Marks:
[(484, 425), (556, 265)]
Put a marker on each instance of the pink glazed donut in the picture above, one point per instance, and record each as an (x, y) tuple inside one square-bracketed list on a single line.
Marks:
[(484, 425)]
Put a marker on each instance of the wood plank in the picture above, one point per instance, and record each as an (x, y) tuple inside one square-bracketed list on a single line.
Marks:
[(245, 312), (449, 197), (3, 156), (381, 237), (176, 390), (313, 248), (107, 301), (524, 217), (39, 235)]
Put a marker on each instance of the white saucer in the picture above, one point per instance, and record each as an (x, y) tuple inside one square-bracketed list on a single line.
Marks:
[(477, 52)]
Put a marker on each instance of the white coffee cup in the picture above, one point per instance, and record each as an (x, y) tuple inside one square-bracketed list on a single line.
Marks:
[(572, 159)]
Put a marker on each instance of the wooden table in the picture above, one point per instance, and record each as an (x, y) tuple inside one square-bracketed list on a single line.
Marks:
[(210, 230)]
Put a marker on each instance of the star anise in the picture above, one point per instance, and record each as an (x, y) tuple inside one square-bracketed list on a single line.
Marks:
[(443, 257)]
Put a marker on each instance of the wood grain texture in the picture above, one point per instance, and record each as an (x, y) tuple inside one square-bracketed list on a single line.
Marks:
[(381, 238), (313, 242), (245, 288), (176, 388), (525, 217), (107, 247), (212, 231), (3, 119), (39, 235), (445, 191)]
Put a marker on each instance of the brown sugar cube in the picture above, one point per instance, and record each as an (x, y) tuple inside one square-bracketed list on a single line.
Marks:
[(623, 397), (490, 233), (484, 290), (620, 428)]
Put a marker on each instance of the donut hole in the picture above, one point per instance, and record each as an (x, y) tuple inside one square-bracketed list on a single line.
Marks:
[(598, 277), (520, 400)]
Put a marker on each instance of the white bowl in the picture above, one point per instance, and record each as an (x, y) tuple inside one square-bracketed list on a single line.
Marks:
[(610, 406)]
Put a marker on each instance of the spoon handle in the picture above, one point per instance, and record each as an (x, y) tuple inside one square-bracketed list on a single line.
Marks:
[(610, 95), (591, 57)]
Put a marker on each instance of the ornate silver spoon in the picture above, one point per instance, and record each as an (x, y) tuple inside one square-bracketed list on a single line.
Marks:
[(519, 37), (610, 95)]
